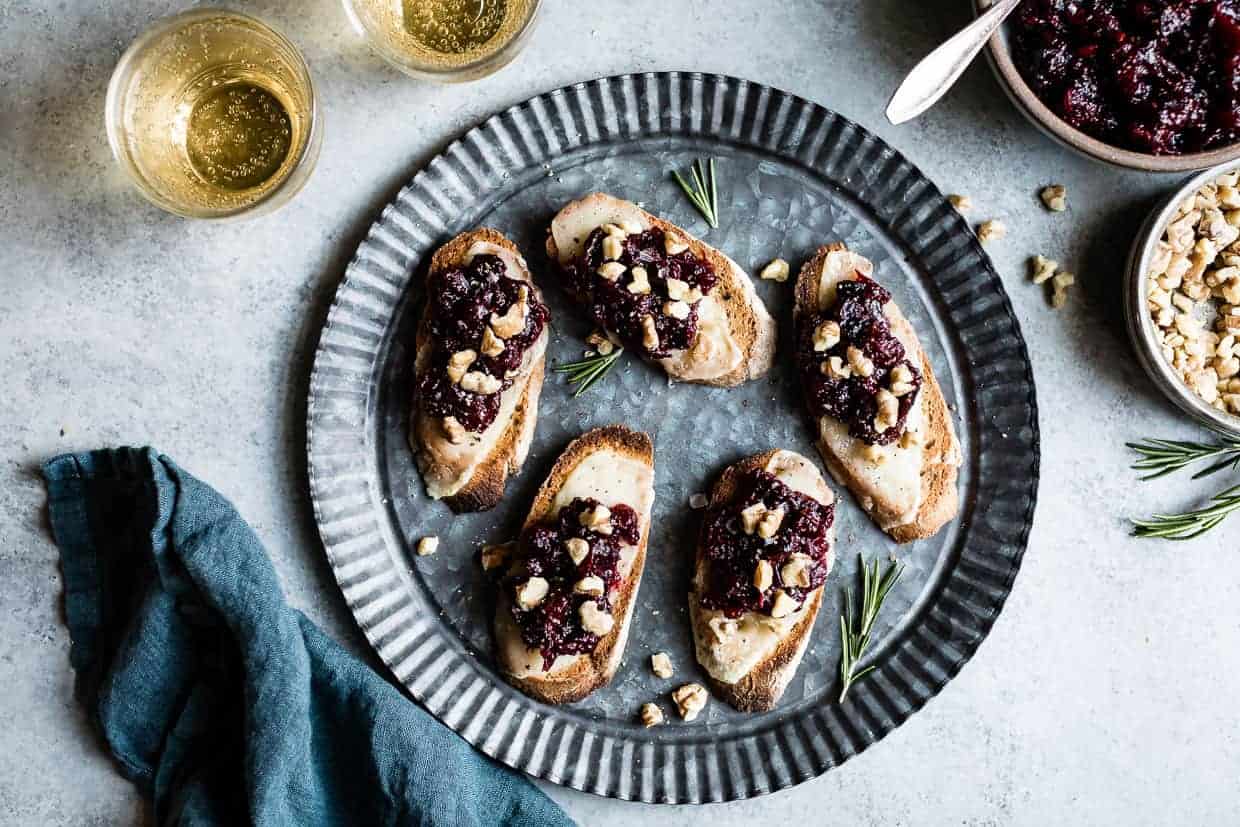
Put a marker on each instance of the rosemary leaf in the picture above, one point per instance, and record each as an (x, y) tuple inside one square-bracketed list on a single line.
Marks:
[(703, 193), (855, 631), (1190, 524), (584, 374), (1160, 457)]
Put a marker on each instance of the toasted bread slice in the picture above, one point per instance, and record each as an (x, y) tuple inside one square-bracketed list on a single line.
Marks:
[(471, 476), (750, 660), (613, 465), (736, 334), (911, 494)]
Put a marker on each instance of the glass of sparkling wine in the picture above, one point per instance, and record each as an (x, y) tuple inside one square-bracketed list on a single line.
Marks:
[(213, 115), (445, 40)]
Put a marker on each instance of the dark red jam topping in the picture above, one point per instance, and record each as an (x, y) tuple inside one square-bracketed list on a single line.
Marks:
[(858, 310), (553, 627), (460, 302), (615, 309), (1155, 76), (733, 555)]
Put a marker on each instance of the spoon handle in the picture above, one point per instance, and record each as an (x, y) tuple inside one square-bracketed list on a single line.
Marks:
[(940, 69)]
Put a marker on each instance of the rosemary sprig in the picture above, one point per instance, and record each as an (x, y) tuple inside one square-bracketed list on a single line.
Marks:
[(702, 192), (585, 373), (855, 632), (1160, 457), (1190, 524)]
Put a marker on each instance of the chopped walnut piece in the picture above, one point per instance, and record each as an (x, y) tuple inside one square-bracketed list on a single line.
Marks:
[(674, 245), (1055, 198), (777, 270), (1042, 269), (592, 584), (454, 430), (992, 230), (640, 285), (613, 248), (769, 525), (597, 519), (690, 700), (513, 320), (428, 546), (661, 664), (482, 383), (531, 592), (594, 620), (676, 309), (796, 572), (458, 364), (763, 576), (751, 516), (835, 368), (826, 336), (650, 333), (577, 549), (601, 343), (492, 345), (611, 270), (677, 290), (651, 715), (962, 203), (859, 362)]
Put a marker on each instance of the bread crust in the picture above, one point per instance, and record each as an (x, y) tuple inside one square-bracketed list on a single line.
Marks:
[(587, 672), (939, 499), (749, 322), (485, 487), (760, 688)]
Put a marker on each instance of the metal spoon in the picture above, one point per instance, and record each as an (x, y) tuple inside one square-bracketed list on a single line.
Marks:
[(940, 69)]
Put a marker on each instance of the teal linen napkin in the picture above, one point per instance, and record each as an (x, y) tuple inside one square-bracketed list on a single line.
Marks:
[(220, 701)]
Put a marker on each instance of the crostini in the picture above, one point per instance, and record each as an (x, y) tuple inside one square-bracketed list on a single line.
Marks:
[(766, 546), (567, 592), (481, 347), (662, 293), (883, 427)]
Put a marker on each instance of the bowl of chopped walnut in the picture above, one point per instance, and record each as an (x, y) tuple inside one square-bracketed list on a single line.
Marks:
[(1182, 297)]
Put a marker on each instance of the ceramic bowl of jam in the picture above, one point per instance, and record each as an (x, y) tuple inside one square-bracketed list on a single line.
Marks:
[(1151, 85)]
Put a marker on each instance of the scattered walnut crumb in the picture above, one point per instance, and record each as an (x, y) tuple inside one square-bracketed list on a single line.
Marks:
[(661, 664), (777, 270), (1042, 269), (651, 715), (992, 230), (690, 700), (1055, 197), (962, 203), (428, 546)]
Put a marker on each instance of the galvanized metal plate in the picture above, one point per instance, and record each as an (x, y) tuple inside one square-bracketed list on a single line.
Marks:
[(792, 176)]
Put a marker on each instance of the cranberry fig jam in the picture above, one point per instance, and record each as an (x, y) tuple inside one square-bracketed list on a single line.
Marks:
[(853, 368), (736, 542), (642, 287), (481, 324), (570, 554), (1155, 76)]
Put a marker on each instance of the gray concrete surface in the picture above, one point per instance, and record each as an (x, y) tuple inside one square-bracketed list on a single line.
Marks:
[(1105, 694)]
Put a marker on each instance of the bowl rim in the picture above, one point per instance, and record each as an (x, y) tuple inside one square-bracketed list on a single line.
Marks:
[(999, 55), (1140, 324)]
